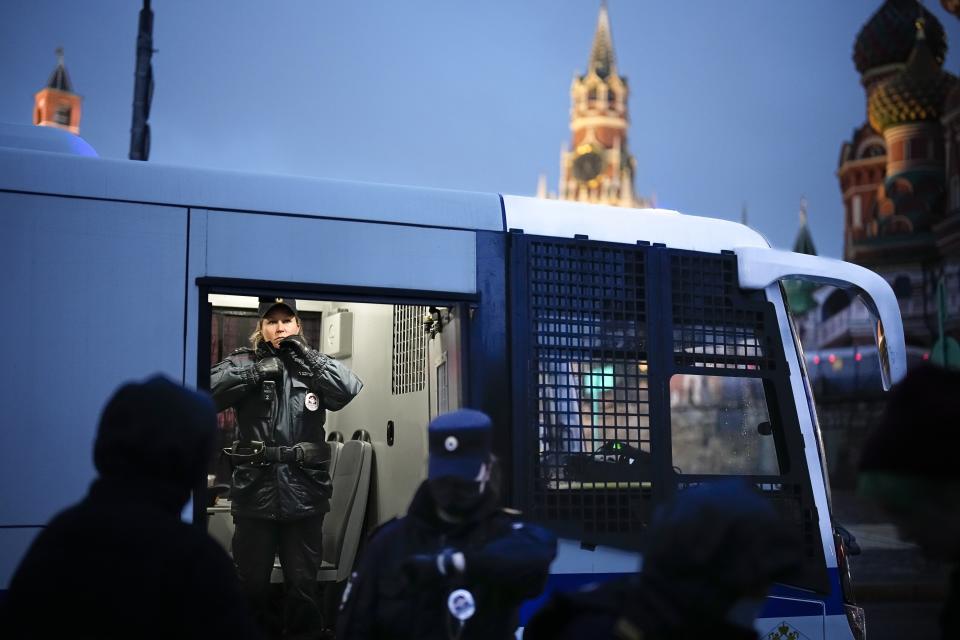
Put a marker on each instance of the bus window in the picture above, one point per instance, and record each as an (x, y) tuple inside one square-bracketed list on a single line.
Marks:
[(720, 425), (595, 424)]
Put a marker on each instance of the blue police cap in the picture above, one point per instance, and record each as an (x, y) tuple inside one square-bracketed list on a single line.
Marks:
[(459, 444)]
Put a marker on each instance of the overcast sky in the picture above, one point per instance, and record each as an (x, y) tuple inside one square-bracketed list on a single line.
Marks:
[(731, 102)]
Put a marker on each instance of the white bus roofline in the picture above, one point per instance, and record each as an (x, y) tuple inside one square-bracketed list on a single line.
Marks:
[(759, 268)]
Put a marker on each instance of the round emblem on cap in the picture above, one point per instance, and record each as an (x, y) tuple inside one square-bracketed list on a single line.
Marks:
[(451, 443), (461, 604), (311, 402)]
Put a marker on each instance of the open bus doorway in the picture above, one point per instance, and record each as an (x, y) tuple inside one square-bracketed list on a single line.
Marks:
[(410, 359)]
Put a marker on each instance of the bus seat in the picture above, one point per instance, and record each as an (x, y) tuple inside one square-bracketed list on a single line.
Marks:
[(343, 526), (335, 448)]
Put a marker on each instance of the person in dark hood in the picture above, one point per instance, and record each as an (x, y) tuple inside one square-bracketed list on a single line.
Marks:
[(457, 566), (122, 563), (281, 390), (711, 555), (908, 465)]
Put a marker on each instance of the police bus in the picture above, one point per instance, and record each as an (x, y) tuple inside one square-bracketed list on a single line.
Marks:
[(623, 354)]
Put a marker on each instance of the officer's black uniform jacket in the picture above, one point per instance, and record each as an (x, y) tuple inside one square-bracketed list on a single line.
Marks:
[(507, 562), (279, 490)]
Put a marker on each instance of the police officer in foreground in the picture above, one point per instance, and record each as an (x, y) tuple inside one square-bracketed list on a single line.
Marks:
[(712, 554), (281, 389), (457, 566)]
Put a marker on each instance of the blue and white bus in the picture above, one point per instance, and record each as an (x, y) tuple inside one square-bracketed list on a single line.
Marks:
[(623, 354)]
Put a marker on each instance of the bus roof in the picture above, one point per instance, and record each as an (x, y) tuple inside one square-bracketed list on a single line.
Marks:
[(63, 170), (60, 174), (562, 218)]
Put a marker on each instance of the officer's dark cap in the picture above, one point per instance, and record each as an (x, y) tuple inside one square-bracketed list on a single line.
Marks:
[(459, 444), (269, 302)]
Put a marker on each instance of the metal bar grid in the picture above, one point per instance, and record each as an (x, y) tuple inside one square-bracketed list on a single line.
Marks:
[(408, 372), (714, 325), (588, 373)]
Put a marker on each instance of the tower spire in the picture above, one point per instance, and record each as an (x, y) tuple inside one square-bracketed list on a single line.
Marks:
[(804, 241), (59, 79), (602, 60)]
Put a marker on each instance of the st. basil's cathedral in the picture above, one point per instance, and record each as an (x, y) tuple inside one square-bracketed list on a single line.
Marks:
[(900, 175)]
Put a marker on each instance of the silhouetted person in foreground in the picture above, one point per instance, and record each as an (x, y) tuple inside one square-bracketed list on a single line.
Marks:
[(910, 466), (457, 566), (712, 554), (121, 563)]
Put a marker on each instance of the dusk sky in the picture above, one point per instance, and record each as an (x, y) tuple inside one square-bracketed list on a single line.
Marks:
[(731, 102)]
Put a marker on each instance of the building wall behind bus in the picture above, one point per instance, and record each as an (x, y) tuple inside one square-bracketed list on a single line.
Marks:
[(93, 296)]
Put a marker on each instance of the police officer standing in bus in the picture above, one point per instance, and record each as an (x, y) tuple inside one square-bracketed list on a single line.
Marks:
[(457, 566), (281, 389)]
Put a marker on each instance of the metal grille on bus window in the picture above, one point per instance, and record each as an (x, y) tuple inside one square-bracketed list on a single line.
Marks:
[(589, 380), (715, 324), (409, 349)]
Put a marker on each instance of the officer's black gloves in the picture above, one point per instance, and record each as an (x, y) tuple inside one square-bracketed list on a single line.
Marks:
[(422, 568), (269, 368), (296, 344), (296, 349)]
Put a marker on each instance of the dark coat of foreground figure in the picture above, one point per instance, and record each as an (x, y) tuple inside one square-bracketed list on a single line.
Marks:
[(506, 563), (909, 466), (457, 566), (711, 556), (121, 563)]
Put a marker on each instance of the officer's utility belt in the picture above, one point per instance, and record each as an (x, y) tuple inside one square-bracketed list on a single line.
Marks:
[(256, 452)]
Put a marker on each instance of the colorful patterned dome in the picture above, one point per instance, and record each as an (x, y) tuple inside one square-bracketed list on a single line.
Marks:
[(888, 36), (916, 94)]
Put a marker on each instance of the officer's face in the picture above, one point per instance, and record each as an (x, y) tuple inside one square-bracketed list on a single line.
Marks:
[(278, 324), (456, 496)]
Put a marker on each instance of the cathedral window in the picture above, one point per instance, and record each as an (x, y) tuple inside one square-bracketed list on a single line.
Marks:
[(857, 213)]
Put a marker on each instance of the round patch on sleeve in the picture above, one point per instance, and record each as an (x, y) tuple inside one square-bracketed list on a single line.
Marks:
[(311, 402)]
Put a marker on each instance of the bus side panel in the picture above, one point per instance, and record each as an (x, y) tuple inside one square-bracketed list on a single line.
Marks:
[(322, 251), (93, 296)]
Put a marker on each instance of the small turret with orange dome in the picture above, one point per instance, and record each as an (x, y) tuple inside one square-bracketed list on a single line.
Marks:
[(56, 105)]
